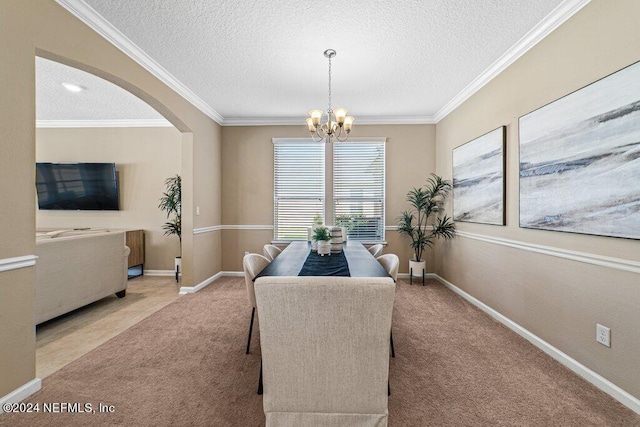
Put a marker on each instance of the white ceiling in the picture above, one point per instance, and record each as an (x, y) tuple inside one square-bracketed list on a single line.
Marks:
[(244, 62), (100, 100)]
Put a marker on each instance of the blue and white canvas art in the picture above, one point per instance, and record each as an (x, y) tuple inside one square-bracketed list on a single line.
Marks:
[(478, 179), (580, 160)]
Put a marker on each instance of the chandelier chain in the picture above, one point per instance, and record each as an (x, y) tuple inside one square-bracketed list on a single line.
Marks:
[(329, 83), (337, 125)]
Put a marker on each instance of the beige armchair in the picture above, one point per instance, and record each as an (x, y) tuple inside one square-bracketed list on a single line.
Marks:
[(252, 265), (325, 344)]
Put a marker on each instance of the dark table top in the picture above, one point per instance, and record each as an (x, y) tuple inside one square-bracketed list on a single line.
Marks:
[(290, 261)]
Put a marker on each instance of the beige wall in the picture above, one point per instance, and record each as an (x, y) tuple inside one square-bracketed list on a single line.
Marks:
[(247, 189), (557, 299), (44, 28), (144, 158)]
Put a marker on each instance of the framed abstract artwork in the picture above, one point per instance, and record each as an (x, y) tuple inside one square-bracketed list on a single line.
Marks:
[(580, 160), (479, 180)]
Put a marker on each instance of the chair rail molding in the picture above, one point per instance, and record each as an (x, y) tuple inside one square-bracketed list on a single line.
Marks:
[(14, 263), (231, 227), (600, 260), (207, 229)]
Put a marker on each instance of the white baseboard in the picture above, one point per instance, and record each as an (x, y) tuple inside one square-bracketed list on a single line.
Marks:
[(594, 378), (193, 289), (159, 273), (21, 393), (233, 273)]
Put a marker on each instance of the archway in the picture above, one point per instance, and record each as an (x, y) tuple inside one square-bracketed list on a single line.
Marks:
[(103, 312)]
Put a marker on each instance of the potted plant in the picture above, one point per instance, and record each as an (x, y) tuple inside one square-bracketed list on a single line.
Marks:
[(425, 222), (171, 203), (322, 237), (317, 222)]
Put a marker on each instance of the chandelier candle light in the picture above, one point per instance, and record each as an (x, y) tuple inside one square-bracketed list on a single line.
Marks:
[(336, 124)]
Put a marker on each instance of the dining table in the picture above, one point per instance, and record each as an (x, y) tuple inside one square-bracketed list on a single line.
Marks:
[(298, 259)]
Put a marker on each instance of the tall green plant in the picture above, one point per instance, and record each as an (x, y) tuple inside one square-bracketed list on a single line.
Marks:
[(171, 203), (426, 202)]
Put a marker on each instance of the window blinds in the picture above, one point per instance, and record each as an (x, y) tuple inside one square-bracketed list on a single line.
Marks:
[(358, 189), (298, 188)]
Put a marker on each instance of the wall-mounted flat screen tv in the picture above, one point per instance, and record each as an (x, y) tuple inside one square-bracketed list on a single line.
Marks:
[(77, 186)]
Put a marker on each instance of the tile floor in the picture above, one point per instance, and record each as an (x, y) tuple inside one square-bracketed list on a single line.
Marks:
[(64, 339)]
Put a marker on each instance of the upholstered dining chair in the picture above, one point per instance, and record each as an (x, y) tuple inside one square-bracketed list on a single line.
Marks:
[(314, 332), (376, 250), (391, 263), (271, 251), (252, 265)]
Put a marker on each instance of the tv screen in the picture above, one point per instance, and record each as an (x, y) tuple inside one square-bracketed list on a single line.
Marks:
[(77, 186)]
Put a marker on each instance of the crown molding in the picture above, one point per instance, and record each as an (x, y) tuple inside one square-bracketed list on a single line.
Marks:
[(95, 21), (299, 121), (142, 123), (553, 20)]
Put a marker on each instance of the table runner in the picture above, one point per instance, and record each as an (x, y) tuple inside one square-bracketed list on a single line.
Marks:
[(328, 265)]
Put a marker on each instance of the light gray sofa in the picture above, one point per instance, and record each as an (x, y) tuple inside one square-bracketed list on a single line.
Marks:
[(325, 349), (77, 267)]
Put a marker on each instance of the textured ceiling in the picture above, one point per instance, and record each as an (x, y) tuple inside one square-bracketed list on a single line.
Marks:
[(263, 59), (101, 100)]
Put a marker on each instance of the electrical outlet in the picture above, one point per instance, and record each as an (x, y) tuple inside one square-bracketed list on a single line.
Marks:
[(603, 335), (197, 210)]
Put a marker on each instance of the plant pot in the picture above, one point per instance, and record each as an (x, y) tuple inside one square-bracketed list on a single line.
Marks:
[(178, 268), (324, 247), (310, 232), (416, 268)]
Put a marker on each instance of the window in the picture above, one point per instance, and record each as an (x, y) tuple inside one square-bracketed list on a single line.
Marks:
[(358, 189), (298, 187), (352, 197)]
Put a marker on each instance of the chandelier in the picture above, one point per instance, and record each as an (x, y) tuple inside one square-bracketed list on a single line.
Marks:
[(332, 123)]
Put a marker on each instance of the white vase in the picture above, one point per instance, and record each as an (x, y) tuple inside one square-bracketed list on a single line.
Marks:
[(324, 247), (416, 268)]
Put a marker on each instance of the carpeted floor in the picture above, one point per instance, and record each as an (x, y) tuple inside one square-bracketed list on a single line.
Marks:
[(185, 366)]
